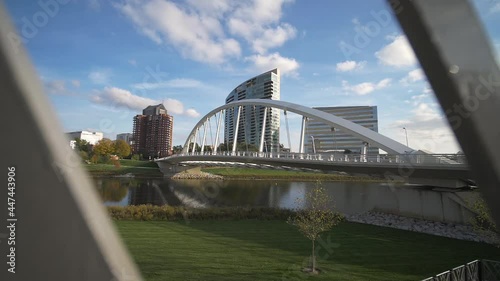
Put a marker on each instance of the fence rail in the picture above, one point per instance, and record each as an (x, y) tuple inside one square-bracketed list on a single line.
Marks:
[(415, 159), (477, 270)]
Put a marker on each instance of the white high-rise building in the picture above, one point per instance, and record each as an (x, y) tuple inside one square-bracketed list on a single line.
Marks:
[(327, 138), (263, 86), (91, 137)]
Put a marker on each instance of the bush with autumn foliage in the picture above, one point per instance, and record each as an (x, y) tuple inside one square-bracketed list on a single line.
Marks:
[(102, 152)]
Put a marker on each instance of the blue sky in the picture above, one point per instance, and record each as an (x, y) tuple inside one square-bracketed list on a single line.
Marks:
[(103, 61)]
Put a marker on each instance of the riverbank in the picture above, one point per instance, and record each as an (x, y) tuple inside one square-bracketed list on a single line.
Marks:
[(265, 174), (129, 168), (274, 250)]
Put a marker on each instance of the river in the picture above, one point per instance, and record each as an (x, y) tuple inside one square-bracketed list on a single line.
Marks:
[(349, 197)]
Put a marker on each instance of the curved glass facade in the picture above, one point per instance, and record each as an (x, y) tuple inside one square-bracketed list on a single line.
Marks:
[(263, 86)]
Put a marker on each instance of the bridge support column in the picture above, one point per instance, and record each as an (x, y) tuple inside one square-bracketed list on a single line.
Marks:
[(302, 134), (194, 141), (364, 150), (216, 145), (204, 135), (235, 140), (263, 132)]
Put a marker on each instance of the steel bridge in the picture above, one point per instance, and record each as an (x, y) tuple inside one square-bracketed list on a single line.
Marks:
[(402, 163)]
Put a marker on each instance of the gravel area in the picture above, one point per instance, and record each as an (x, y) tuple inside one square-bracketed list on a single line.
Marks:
[(452, 230)]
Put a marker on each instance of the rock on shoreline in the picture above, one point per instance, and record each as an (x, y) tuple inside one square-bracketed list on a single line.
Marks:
[(451, 230), (196, 176)]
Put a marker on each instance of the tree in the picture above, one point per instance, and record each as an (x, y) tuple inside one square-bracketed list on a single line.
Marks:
[(121, 148), (316, 217), (222, 147), (197, 147), (482, 221), (82, 145), (177, 149), (241, 146), (104, 147)]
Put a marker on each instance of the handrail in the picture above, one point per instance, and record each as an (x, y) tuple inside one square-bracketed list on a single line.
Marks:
[(414, 159)]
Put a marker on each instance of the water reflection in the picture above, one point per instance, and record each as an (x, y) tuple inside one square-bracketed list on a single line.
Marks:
[(114, 190), (349, 197)]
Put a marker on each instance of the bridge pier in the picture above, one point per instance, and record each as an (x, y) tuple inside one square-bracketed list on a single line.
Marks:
[(169, 170)]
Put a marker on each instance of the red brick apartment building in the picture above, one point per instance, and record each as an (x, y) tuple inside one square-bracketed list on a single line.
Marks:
[(152, 132)]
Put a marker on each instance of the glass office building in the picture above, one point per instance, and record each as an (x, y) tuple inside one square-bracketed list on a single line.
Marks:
[(326, 138), (263, 86)]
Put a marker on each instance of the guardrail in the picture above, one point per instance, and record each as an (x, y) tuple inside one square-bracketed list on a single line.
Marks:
[(416, 159), (477, 270)]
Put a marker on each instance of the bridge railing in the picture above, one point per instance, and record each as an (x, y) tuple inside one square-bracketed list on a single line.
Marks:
[(414, 159)]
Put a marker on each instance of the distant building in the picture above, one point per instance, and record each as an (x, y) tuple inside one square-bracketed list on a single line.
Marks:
[(152, 134), (327, 138), (263, 86), (91, 137), (127, 137)]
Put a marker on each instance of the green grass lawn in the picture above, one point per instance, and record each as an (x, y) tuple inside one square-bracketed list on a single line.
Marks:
[(112, 170), (273, 250), (138, 163), (249, 173)]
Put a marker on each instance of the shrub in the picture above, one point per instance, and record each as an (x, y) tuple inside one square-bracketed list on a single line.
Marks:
[(170, 213)]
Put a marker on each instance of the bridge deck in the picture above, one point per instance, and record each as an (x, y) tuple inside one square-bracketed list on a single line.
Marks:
[(438, 170)]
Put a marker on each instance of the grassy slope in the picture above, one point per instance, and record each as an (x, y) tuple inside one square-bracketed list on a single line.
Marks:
[(272, 250), (242, 173), (138, 168)]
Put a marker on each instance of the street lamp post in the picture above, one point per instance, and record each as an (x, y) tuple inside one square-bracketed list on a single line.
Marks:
[(314, 146), (406, 133)]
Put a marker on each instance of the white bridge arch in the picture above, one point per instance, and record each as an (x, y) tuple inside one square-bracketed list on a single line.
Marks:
[(371, 137)]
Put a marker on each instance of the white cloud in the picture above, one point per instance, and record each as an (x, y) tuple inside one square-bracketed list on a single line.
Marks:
[(100, 76), (174, 83), (197, 36), (366, 87), (58, 87), (191, 112), (120, 98), (273, 37), (75, 83), (383, 83), (427, 129), (424, 112), (413, 76), (287, 66), (117, 97), (132, 62), (197, 29), (350, 65), (495, 8), (398, 53)]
